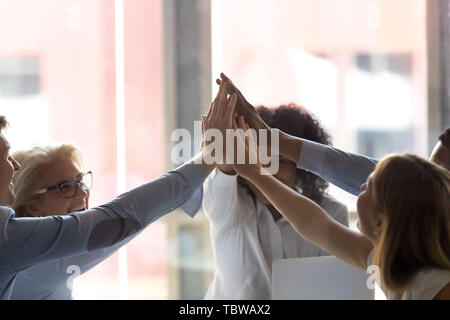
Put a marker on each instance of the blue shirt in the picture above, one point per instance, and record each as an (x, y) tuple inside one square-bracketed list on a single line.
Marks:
[(25, 242), (346, 170)]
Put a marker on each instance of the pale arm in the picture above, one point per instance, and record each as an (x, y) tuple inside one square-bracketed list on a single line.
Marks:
[(313, 224)]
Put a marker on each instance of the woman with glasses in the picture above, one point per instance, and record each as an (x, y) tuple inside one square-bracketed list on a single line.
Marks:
[(51, 181)]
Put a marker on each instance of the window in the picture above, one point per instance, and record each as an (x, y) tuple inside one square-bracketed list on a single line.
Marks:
[(117, 77), (19, 76)]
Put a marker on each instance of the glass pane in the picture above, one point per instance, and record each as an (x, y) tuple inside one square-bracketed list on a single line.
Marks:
[(358, 65)]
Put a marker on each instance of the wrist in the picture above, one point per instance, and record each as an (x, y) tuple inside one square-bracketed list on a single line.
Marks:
[(201, 159), (290, 146)]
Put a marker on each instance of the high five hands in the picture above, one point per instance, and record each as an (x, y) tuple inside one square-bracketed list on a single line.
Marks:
[(243, 107), (230, 110)]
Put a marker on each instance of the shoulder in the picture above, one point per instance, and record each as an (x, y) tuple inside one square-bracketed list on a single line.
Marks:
[(444, 294), (430, 284), (6, 214)]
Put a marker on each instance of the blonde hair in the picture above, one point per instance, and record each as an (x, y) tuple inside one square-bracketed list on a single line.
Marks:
[(33, 161), (414, 196)]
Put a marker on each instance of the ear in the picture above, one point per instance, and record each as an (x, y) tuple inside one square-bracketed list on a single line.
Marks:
[(33, 210)]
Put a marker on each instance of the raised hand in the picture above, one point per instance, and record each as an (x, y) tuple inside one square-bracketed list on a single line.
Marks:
[(243, 107), (220, 115)]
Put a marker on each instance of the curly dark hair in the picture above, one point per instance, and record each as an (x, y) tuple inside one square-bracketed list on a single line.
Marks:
[(297, 121), (445, 138)]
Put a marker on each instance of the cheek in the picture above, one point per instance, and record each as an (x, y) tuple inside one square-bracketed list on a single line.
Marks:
[(6, 173), (367, 222), (54, 205), (362, 208)]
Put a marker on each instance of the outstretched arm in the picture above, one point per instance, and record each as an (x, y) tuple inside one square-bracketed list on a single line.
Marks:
[(346, 170), (307, 218), (313, 224), (27, 241), (343, 169)]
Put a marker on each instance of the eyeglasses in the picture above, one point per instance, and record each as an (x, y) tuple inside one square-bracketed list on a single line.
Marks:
[(68, 189)]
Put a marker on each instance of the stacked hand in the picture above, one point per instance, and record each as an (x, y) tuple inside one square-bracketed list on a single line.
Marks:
[(228, 106), (243, 107), (220, 115), (251, 165)]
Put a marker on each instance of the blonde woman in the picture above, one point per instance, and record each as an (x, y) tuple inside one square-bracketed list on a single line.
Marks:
[(52, 181), (404, 219)]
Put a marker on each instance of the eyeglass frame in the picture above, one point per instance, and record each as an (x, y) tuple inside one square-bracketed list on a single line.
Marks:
[(58, 186)]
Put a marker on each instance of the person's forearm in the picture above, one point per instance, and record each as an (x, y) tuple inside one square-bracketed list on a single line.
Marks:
[(35, 282), (344, 169), (290, 146), (314, 224), (61, 236), (152, 200)]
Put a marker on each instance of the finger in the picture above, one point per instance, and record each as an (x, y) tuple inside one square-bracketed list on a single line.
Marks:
[(240, 134), (223, 97), (236, 131), (232, 88), (241, 123), (224, 77), (218, 92), (230, 108), (219, 82), (235, 126), (252, 135), (208, 116), (216, 102)]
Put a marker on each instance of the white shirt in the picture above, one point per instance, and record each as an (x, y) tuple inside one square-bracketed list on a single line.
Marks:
[(246, 239), (425, 286)]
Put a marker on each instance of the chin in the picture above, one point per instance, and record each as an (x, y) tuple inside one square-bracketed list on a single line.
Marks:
[(9, 201)]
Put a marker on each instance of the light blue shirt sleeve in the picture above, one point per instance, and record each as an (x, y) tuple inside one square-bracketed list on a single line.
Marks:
[(193, 205), (25, 242), (52, 280), (346, 170)]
